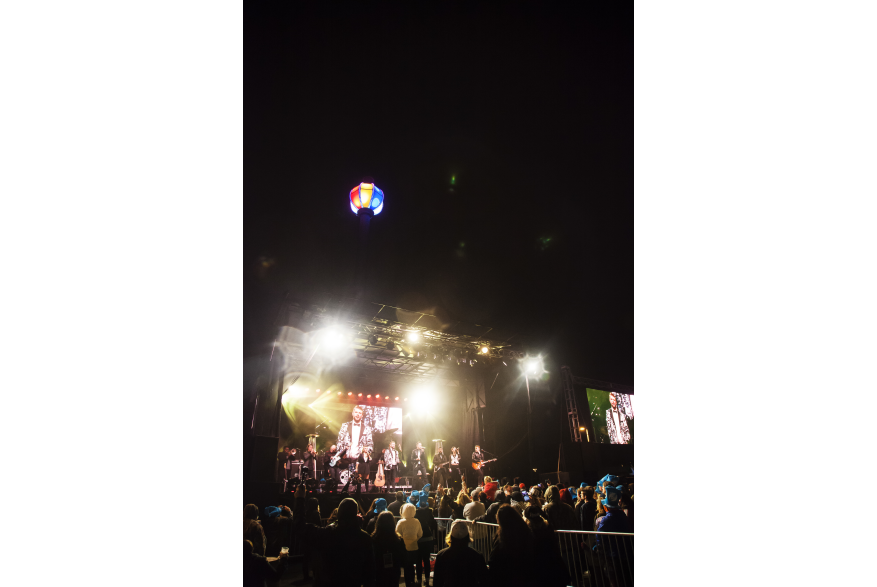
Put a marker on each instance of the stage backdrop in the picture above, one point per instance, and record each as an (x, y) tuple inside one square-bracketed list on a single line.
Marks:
[(612, 415)]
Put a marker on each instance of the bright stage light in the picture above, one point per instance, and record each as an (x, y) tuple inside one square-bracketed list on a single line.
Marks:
[(368, 396), (339, 393), (581, 428), (413, 336), (397, 398), (533, 365), (485, 350), (349, 393), (386, 397), (360, 395)]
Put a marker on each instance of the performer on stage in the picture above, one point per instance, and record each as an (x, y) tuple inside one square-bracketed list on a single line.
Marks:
[(477, 457), (354, 436), (439, 466), (283, 467), (364, 464), (332, 473), (309, 466), (418, 458), (455, 463), (391, 464)]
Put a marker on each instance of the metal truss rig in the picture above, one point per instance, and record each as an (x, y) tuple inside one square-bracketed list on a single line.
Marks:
[(379, 336)]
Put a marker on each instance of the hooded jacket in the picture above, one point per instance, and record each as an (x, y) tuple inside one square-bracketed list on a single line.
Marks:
[(561, 516), (409, 527)]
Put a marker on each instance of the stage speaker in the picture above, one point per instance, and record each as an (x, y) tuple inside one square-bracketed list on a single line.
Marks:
[(263, 465)]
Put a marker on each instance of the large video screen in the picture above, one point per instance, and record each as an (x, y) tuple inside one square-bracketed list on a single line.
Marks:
[(361, 426), (612, 415)]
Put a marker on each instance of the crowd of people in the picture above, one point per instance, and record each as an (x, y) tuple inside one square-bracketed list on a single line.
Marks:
[(392, 540)]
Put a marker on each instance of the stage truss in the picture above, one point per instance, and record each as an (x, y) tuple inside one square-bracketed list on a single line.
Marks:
[(445, 351)]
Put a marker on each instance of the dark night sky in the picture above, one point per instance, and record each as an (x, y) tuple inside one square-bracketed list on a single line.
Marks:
[(531, 110)]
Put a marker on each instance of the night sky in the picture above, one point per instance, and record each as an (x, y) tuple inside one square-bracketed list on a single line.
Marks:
[(503, 141)]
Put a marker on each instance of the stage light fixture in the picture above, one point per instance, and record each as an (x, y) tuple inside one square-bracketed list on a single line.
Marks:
[(349, 393), (581, 428), (339, 393), (360, 395), (386, 397), (369, 396), (413, 336), (373, 340), (485, 350), (368, 197), (397, 398)]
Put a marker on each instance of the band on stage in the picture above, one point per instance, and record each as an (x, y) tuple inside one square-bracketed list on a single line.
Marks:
[(352, 463)]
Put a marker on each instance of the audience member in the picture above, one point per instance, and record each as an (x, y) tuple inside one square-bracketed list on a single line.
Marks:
[(394, 507), (561, 516), (257, 569), (588, 510), (253, 529), (490, 515), (462, 500), (511, 562), (389, 550), (458, 565), (426, 540), (546, 549), (410, 530), (378, 507), (475, 508), (346, 539)]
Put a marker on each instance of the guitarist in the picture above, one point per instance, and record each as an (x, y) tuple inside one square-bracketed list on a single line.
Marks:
[(334, 472), (439, 463), (478, 457)]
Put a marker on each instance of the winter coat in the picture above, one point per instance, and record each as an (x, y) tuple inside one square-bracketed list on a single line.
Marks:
[(409, 527)]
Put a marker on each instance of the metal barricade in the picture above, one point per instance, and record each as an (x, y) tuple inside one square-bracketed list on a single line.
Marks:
[(597, 559)]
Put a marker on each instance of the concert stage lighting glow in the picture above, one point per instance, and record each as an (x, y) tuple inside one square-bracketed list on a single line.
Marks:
[(533, 365), (360, 395), (373, 340), (349, 393), (413, 336), (369, 396), (339, 393), (397, 398), (485, 350)]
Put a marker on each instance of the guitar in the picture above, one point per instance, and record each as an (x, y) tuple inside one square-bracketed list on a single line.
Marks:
[(436, 468), (379, 478), (477, 466), (334, 460)]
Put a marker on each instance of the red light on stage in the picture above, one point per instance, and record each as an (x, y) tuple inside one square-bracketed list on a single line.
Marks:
[(349, 393), (386, 397), (369, 396), (360, 395), (397, 399), (339, 393)]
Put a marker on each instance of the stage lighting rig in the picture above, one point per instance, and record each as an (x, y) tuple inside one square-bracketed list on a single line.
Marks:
[(373, 340), (391, 346)]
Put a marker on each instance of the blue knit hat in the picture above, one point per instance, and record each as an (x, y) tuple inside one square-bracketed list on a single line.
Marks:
[(613, 495), (380, 505), (612, 479), (422, 496), (272, 511), (583, 485)]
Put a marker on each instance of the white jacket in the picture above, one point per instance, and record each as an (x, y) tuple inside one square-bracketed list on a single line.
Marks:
[(409, 527)]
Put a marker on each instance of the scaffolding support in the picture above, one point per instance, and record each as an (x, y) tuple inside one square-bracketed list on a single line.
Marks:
[(572, 411)]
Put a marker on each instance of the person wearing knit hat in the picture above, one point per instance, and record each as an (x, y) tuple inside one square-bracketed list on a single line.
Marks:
[(458, 564), (372, 516), (410, 530), (615, 520), (430, 530), (380, 505)]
